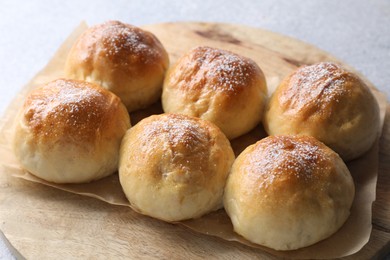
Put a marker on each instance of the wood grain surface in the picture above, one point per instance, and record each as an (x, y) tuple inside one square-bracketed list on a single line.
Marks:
[(46, 223)]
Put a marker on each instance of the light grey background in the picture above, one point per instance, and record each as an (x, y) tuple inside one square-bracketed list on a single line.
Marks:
[(355, 31)]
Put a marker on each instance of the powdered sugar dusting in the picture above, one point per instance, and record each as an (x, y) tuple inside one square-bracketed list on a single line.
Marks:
[(318, 84), (185, 143), (65, 108), (286, 157), (179, 131), (223, 70), (125, 42)]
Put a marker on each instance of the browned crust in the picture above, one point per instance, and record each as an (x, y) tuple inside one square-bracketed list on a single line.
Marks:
[(288, 165), (322, 88), (72, 110), (215, 70), (180, 144), (118, 47)]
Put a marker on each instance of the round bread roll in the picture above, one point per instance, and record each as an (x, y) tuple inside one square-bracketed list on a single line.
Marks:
[(219, 86), (288, 192), (174, 167), (122, 58), (70, 131), (325, 101)]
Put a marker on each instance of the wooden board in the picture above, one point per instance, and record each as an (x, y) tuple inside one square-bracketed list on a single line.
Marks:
[(45, 223)]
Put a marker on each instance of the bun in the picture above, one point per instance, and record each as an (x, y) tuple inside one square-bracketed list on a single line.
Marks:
[(122, 58), (174, 167), (288, 192), (219, 86), (70, 131), (329, 103)]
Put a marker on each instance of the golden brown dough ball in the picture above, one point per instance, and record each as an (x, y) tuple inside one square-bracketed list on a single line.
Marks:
[(122, 58), (328, 102), (219, 86), (174, 167), (288, 192), (70, 131)]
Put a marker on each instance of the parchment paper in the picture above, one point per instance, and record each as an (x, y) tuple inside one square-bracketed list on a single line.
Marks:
[(354, 234)]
